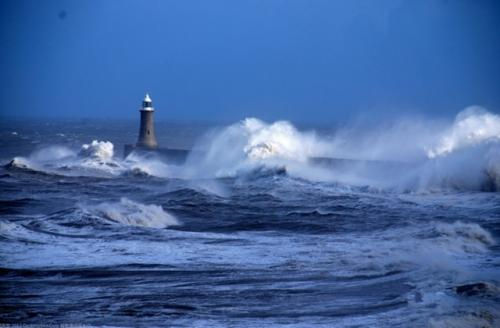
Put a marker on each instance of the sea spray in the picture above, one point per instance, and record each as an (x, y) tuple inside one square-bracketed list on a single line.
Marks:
[(147, 165), (51, 154)]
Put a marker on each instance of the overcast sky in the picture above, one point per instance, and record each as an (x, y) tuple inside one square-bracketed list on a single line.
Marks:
[(310, 60)]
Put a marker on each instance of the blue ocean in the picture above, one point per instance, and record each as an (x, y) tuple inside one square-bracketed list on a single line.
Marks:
[(266, 224)]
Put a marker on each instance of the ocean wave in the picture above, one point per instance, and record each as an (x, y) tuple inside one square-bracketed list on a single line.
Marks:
[(442, 246), (472, 126), (464, 155), (250, 145), (19, 232), (94, 159), (100, 150), (133, 213), (437, 247), (462, 237), (137, 164), (280, 139), (20, 163), (429, 156)]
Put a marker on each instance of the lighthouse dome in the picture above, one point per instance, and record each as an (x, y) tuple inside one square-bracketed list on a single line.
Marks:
[(147, 103)]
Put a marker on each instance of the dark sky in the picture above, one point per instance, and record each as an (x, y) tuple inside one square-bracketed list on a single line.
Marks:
[(311, 60)]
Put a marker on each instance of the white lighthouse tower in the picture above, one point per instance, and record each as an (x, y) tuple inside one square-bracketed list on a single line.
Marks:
[(147, 137)]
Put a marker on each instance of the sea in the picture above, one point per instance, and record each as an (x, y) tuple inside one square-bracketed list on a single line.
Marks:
[(267, 224)]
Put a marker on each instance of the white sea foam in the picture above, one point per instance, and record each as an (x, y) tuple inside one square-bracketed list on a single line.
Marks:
[(133, 213)]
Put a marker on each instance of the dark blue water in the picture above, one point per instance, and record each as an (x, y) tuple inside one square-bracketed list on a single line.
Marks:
[(89, 238)]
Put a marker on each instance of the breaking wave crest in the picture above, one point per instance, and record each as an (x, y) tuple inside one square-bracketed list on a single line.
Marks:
[(463, 237), (99, 150), (250, 144), (421, 156), (132, 213), (280, 139), (408, 156), (465, 155), (94, 159), (140, 165), (437, 246), (472, 127), (21, 163)]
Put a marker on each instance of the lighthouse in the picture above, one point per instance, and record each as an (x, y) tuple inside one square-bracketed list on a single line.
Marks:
[(147, 144), (147, 137)]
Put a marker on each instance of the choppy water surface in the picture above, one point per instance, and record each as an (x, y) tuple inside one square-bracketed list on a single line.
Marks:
[(87, 237)]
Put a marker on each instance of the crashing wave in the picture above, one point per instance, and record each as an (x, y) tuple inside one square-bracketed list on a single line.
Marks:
[(101, 150), (98, 155), (472, 126), (247, 145), (467, 155), (27, 165), (133, 213), (94, 159), (139, 165), (280, 139), (463, 237), (463, 156)]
